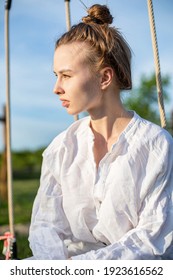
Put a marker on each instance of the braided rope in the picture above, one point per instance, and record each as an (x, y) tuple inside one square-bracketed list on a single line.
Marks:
[(8, 127), (68, 24), (157, 64), (68, 17)]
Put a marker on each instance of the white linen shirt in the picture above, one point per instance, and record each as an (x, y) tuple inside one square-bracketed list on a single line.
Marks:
[(122, 210)]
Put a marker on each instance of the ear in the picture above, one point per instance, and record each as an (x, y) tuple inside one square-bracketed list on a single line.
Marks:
[(106, 75)]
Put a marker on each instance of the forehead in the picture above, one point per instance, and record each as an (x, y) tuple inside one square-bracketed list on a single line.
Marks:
[(70, 54)]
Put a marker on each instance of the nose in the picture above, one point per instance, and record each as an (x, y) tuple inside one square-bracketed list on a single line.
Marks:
[(57, 88)]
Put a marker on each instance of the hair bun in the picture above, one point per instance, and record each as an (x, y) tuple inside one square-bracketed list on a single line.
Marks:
[(99, 14)]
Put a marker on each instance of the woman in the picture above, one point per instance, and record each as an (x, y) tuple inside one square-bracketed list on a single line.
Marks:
[(106, 182)]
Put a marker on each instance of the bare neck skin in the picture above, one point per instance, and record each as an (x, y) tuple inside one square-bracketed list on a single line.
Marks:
[(107, 123)]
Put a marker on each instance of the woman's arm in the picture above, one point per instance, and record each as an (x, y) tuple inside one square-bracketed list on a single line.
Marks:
[(49, 225)]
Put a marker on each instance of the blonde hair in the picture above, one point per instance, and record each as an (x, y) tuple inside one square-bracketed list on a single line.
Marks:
[(106, 45)]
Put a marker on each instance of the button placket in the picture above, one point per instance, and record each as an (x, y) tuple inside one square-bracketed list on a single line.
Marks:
[(98, 189)]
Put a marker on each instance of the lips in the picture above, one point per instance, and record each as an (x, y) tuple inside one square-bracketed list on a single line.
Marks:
[(65, 103)]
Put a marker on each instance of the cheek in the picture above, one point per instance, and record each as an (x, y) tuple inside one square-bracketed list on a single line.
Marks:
[(83, 88), (90, 85)]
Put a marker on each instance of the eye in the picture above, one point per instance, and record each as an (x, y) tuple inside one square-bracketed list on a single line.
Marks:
[(65, 76), (55, 74)]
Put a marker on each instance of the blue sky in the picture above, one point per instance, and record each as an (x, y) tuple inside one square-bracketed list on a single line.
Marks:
[(36, 114)]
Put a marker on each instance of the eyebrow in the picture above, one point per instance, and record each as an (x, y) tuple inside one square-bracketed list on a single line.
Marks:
[(63, 71)]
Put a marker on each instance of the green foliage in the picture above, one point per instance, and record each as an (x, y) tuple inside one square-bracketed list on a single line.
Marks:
[(27, 164), (144, 100), (23, 249), (24, 192)]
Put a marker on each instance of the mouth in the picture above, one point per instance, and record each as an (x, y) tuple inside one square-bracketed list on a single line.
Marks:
[(65, 103)]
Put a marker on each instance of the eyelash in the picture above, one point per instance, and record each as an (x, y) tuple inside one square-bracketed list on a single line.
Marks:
[(65, 76)]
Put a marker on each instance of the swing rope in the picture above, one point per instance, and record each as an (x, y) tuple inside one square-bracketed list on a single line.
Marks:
[(8, 239), (68, 24), (8, 125), (157, 64), (9, 249), (68, 17)]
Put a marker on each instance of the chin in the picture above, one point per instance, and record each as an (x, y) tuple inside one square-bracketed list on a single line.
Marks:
[(74, 113)]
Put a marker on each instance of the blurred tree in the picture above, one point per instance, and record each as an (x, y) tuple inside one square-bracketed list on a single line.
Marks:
[(144, 100), (27, 164)]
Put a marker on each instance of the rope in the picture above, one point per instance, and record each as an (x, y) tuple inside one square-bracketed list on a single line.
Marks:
[(68, 17), (12, 240), (157, 64), (8, 126), (8, 245), (68, 24)]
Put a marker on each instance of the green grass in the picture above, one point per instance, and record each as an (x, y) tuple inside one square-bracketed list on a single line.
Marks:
[(24, 192)]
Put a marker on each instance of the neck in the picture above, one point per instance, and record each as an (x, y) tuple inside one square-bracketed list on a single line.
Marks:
[(109, 121)]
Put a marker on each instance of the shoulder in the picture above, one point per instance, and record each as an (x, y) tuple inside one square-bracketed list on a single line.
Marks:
[(151, 131), (154, 137), (67, 136)]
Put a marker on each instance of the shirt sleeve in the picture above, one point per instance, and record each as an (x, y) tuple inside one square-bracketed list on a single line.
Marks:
[(153, 235), (49, 225)]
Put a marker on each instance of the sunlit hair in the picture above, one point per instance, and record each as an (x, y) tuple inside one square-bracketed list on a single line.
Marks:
[(105, 46)]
